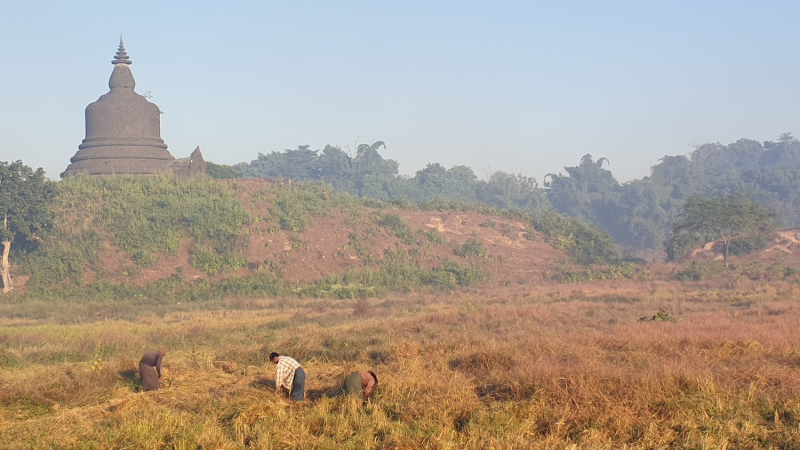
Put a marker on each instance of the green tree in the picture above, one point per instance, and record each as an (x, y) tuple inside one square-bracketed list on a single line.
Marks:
[(222, 172), (24, 210), (724, 217), (588, 192)]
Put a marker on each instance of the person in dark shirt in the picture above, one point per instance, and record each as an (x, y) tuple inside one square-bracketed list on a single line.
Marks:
[(150, 369), (360, 383)]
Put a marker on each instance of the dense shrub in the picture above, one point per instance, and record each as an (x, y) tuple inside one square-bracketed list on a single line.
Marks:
[(749, 244), (214, 264), (144, 217), (398, 227), (588, 244), (472, 247)]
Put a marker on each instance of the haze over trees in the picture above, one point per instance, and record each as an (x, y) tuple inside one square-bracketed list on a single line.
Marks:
[(639, 214)]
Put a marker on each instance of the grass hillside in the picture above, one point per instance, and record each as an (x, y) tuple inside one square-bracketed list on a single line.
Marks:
[(125, 237)]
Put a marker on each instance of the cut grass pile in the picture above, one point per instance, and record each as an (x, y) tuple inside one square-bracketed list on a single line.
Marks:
[(461, 370)]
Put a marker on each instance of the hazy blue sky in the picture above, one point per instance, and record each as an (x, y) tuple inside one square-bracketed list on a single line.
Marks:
[(516, 86)]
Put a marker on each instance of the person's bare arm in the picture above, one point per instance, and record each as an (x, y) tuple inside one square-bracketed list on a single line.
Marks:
[(370, 386), (279, 376)]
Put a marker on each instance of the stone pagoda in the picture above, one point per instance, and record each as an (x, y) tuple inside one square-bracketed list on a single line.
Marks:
[(123, 133)]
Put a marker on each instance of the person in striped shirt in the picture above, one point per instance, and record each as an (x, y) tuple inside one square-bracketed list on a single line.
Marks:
[(289, 375)]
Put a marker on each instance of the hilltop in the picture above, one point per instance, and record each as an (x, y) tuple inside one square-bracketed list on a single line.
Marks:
[(162, 240), (123, 237), (338, 238)]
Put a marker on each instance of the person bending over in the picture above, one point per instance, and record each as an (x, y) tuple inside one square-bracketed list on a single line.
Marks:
[(150, 369), (360, 383), (289, 375)]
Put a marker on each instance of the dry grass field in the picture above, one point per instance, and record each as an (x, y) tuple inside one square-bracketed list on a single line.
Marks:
[(499, 368), (481, 369)]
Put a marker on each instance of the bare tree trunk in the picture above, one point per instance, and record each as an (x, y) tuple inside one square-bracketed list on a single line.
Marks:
[(726, 242), (4, 268)]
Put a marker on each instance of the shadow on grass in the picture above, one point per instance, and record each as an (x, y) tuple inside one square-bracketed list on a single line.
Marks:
[(128, 375), (494, 392), (503, 392), (130, 378), (326, 392), (263, 383), (311, 394)]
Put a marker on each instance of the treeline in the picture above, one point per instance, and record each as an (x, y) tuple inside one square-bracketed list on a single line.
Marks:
[(638, 214), (367, 174)]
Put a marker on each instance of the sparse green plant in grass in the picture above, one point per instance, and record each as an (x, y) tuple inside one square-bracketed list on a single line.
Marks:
[(488, 224), (660, 316), (588, 244), (337, 291), (465, 274), (398, 227), (293, 207), (698, 271), (529, 234), (436, 238), (354, 214), (472, 247), (97, 364), (600, 272), (360, 244), (295, 242), (214, 264)]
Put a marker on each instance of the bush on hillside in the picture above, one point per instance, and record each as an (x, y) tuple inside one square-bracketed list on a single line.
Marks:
[(588, 244), (144, 217)]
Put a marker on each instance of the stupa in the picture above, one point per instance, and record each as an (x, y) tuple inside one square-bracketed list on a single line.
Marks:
[(123, 133)]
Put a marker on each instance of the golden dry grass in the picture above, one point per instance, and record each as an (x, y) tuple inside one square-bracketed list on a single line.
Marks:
[(462, 370)]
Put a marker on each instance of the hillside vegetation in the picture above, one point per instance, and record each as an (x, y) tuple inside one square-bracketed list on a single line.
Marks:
[(149, 239), (638, 214)]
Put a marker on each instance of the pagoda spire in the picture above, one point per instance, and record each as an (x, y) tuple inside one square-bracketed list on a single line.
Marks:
[(122, 56)]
